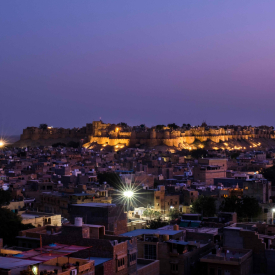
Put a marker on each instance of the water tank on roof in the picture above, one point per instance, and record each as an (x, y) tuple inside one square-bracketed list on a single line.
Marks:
[(165, 238), (78, 221), (175, 227)]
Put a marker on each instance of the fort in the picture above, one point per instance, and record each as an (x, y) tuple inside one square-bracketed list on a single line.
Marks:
[(120, 135)]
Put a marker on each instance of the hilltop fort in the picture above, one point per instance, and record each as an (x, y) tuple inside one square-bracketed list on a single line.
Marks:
[(121, 135)]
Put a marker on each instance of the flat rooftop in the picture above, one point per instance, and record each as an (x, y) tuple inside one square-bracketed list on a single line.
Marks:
[(139, 232), (99, 260), (12, 263), (49, 252), (95, 204)]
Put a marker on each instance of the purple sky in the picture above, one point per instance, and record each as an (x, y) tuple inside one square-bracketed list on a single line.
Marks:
[(67, 63)]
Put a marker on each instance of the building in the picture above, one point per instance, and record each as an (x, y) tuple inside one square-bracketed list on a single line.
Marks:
[(259, 189), (112, 216), (39, 219), (51, 259), (58, 202), (189, 196), (121, 251), (208, 169), (175, 255), (164, 202), (226, 261)]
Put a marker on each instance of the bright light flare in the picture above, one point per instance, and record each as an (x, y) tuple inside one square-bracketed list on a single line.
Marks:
[(2, 143), (128, 193)]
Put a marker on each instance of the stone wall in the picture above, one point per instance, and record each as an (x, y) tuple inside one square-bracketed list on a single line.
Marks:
[(113, 134)]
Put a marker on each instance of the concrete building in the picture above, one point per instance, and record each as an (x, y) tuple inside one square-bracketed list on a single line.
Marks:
[(39, 219), (225, 261), (259, 189), (208, 169), (112, 216), (175, 255), (164, 202)]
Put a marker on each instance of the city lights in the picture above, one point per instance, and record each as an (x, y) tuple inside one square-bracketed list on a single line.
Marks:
[(128, 193)]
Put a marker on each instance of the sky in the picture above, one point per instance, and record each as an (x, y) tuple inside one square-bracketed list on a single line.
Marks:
[(67, 63)]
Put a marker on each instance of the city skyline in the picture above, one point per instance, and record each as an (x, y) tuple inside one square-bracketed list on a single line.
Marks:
[(66, 64)]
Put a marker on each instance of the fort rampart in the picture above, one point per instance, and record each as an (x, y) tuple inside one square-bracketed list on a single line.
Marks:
[(111, 134)]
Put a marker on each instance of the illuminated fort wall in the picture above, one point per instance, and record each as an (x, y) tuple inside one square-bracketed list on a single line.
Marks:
[(114, 134)]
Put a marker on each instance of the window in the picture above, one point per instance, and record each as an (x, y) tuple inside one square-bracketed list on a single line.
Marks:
[(227, 272), (246, 188), (120, 264), (132, 259), (219, 271), (157, 198), (150, 252), (174, 267)]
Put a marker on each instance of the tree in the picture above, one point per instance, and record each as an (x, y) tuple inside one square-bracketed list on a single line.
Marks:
[(173, 126), (155, 224), (160, 127), (235, 155), (142, 126), (184, 125), (123, 124), (61, 144), (73, 144), (205, 206), (151, 213), (5, 197), (173, 214), (43, 126), (148, 213), (199, 153), (246, 207), (10, 226), (188, 125)]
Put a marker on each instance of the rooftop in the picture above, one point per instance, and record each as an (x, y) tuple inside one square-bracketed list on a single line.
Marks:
[(139, 232), (49, 252), (94, 204), (99, 260), (228, 256), (12, 263)]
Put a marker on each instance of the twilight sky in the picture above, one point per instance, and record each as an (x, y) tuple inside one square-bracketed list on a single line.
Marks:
[(67, 63)]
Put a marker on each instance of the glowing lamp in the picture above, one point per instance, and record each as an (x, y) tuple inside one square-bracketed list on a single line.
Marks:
[(2, 143), (128, 194)]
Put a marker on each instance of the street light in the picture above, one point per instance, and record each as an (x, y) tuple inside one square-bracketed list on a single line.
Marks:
[(128, 194), (2, 143)]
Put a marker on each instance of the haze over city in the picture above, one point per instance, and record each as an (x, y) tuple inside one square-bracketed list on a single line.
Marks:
[(68, 63)]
